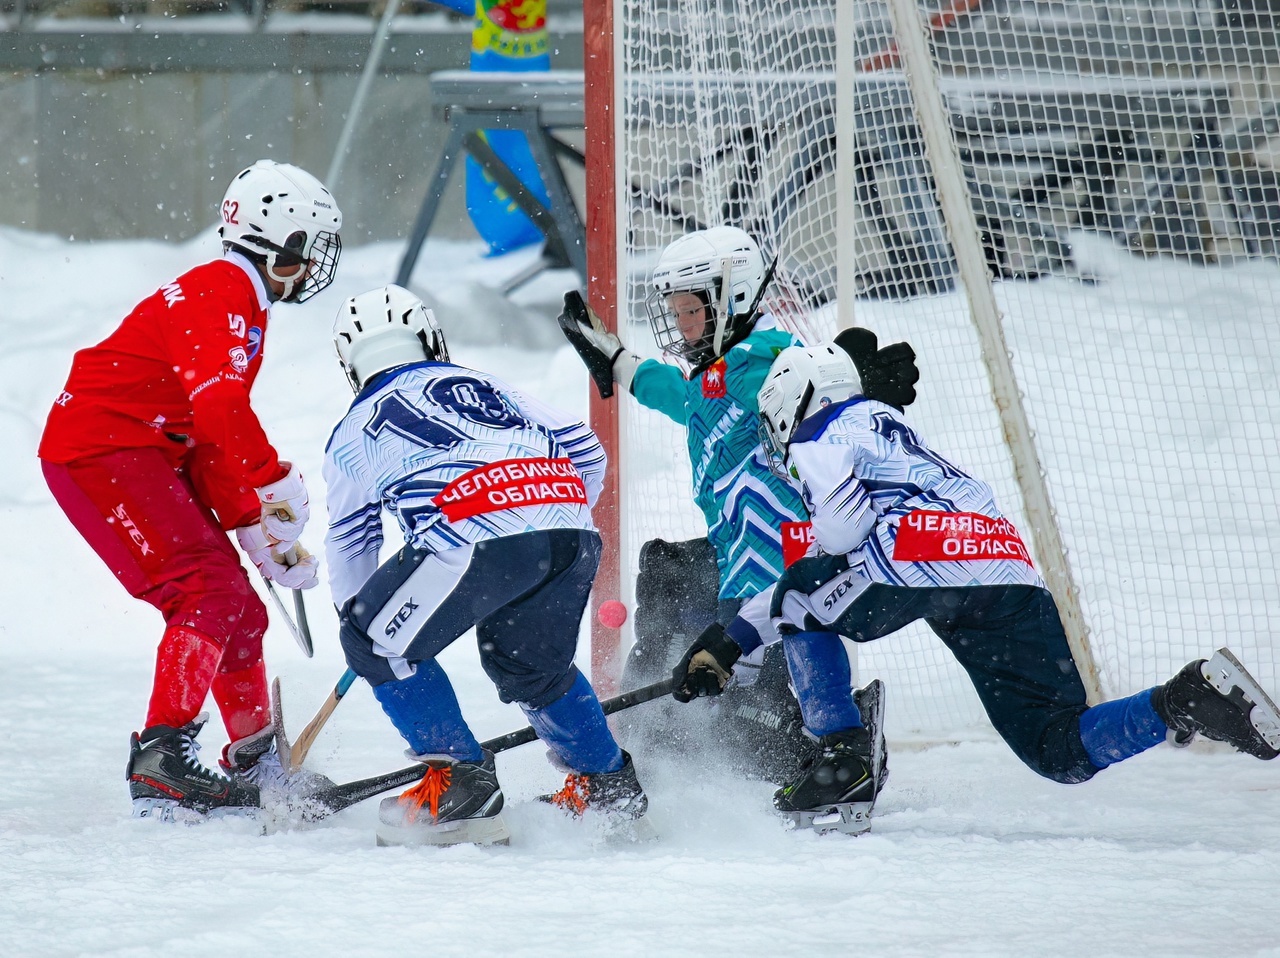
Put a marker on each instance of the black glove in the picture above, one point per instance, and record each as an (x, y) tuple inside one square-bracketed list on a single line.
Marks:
[(596, 345), (888, 375), (706, 667)]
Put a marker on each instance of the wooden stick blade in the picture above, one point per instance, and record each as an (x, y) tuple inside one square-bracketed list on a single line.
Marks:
[(307, 737)]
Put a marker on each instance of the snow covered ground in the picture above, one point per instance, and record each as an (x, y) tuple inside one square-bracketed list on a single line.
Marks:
[(1173, 853)]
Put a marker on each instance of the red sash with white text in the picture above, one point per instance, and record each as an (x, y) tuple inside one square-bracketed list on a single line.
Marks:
[(925, 535), (796, 539), (510, 484)]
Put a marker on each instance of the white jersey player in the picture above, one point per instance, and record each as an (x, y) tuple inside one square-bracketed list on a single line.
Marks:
[(902, 534), (492, 491)]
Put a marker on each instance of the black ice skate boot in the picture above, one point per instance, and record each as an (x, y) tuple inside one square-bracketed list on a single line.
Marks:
[(1222, 701), (870, 702), (838, 790), (616, 799), (456, 803), (167, 781)]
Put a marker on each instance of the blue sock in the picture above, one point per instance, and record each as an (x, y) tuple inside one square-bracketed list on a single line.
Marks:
[(820, 672), (575, 729), (424, 710), (1114, 731)]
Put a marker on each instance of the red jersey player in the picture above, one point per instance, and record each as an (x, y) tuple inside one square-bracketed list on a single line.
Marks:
[(154, 453)]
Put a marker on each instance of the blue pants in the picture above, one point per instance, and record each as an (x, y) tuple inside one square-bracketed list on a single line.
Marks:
[(525, 595), (1009, 640)]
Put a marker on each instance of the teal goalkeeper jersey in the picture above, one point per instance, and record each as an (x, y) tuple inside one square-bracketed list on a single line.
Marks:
[(743, 502)]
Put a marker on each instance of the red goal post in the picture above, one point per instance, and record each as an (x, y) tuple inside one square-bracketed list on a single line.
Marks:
[(602, 295)]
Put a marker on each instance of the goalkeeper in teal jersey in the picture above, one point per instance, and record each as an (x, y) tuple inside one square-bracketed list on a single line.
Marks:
[(704, 311), (744, 504)]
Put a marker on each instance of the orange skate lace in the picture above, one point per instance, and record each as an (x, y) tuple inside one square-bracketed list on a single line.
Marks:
[(573, 798), (427, 792)]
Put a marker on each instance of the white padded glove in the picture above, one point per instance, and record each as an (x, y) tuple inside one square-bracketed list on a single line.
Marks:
[(602, 352), (285, 506), (295, 568)]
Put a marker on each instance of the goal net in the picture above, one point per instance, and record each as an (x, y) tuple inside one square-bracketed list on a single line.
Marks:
[(1120, 160)]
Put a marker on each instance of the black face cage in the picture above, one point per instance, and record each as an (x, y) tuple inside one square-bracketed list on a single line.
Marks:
[(775, 458), (697, 353), (324, 265), (433, 345)]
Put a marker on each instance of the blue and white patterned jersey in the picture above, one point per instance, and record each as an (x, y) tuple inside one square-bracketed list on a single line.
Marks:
[(744, 504), (903, 514), (457, 456)]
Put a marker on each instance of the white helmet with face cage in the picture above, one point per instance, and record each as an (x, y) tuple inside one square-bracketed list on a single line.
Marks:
[(385, 328), (724, 268), (282, 216), (801, 381)]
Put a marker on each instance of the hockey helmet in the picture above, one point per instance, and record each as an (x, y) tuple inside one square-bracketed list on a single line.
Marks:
[(382, 329), (282, 216), (801, 381), (722, 272)]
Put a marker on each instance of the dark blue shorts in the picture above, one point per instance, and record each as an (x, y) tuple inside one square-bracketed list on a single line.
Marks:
[(1008, 638), (524, 594)]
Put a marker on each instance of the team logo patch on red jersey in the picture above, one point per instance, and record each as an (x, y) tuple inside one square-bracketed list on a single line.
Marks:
[(713, 384), (926, 535)]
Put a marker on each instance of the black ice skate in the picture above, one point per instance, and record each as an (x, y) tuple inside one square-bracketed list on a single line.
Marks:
[(167, 781), (456, 803), (870, 702), (838, 790), (615, 798), (1222, 701)]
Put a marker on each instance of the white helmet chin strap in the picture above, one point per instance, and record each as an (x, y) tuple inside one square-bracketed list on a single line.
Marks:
[(726, 303), (289, 282)]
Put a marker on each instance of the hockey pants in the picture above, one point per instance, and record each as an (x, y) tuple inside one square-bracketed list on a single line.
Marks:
[(1008, 638), (524, 594), (146, 521)]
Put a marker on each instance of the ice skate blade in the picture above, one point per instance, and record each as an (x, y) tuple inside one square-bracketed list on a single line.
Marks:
[(165, 810), (469, 831), (1232, 680), (629, 831), (849, 818), (171, 812)]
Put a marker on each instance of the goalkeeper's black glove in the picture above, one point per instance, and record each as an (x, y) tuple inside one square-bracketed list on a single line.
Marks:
[(606, 359), (707, 665), (888, 375)]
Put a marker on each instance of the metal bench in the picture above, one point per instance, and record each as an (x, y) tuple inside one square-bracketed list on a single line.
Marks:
[(536, 104)]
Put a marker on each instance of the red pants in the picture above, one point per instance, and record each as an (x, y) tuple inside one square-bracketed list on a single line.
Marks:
[(144, 520)]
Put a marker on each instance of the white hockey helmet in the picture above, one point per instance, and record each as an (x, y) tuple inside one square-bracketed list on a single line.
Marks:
[(280, 216), (382, 329), (725, 269), (801, 381)]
